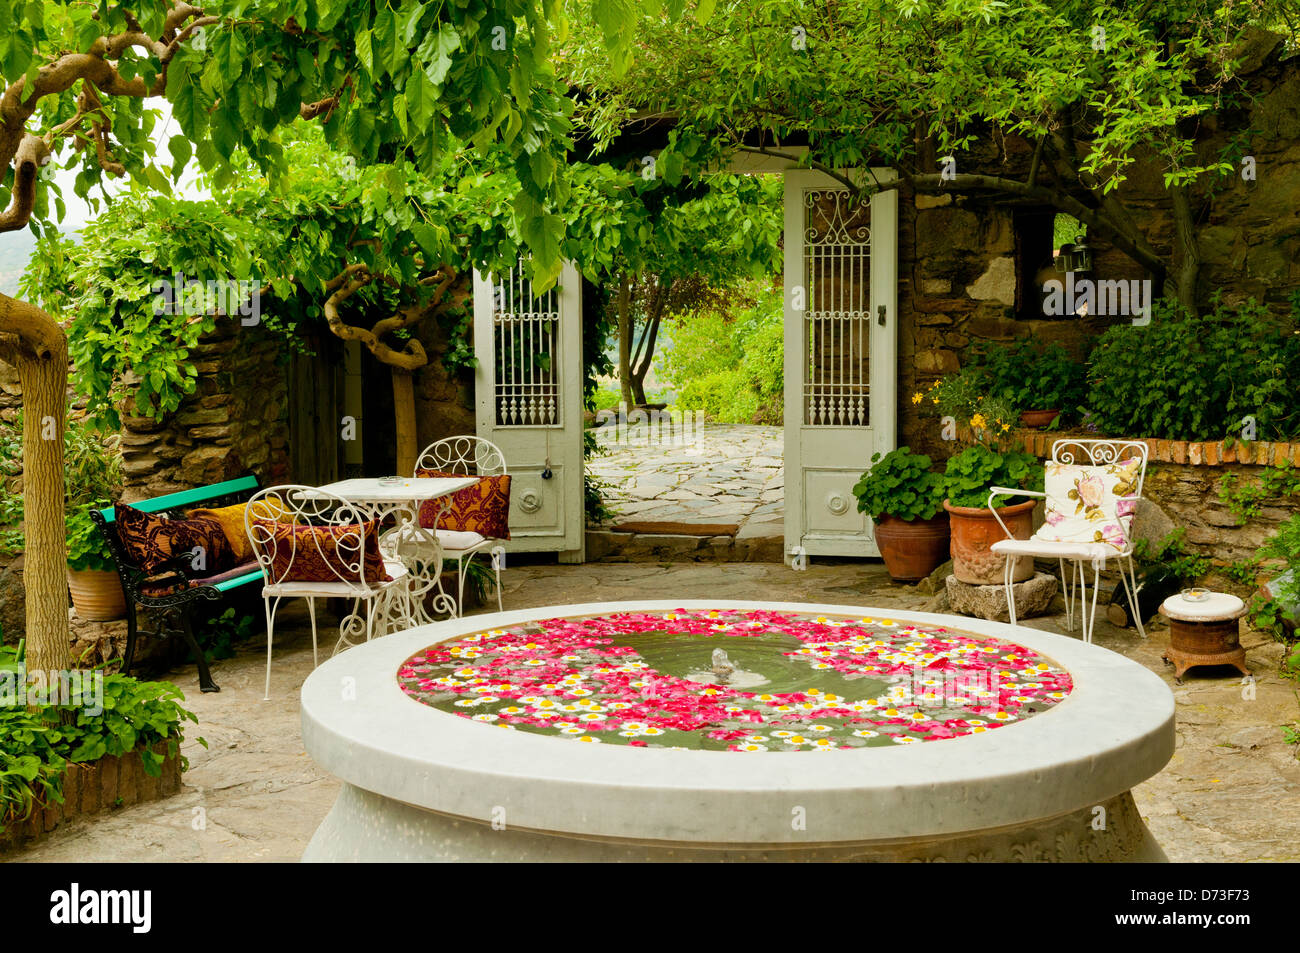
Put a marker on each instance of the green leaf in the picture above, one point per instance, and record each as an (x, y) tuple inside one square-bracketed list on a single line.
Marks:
[(364, 52), (181, 152)]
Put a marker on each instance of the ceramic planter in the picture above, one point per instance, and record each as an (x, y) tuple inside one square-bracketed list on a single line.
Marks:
[(975, 529), (1038, 419), (97, 594), (912, 549)]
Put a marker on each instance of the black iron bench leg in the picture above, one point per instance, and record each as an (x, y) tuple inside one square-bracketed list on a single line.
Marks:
[(128, 656), (206, 684)]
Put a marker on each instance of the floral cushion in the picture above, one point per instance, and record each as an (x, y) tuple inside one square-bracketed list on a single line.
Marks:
[(483, 508), (151, 541), (1085, 504), (321, 553)]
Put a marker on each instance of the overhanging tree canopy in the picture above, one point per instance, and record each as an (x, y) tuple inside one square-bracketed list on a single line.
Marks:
[(388, 83), (1092, 85)]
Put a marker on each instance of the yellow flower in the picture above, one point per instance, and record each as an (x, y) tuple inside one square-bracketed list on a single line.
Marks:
[(917, 398), (978, 422)]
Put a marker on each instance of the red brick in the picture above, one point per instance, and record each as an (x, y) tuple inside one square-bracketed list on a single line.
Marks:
[(1229, 452), (1281, 454), (1212, 453), (1262, 451), (1196, 453), (1163, 452)]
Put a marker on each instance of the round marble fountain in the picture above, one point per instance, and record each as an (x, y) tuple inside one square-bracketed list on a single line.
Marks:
[(734, 731)]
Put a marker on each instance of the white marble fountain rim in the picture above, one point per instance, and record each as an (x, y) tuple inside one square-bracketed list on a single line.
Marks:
[(1114, 730)]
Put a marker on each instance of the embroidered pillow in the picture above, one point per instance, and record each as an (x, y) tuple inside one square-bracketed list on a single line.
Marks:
[(231, 519), (321, 553), (151, 541), (1084, 503), (483, 508)]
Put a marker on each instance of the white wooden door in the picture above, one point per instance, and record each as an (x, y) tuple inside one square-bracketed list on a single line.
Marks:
[(841, 298), (528, 392)]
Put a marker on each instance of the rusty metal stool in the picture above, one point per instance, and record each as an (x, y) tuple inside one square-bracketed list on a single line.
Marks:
[(1204, 631)]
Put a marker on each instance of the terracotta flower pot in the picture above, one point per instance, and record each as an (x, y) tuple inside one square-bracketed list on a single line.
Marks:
[(1038, 419), (975, 529), (97, 594), (912, 549)]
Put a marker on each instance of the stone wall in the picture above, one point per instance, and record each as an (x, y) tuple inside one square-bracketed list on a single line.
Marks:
[(964, 261), (236, 421)]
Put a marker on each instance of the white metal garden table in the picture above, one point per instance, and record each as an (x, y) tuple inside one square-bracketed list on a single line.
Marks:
[(380, 497)]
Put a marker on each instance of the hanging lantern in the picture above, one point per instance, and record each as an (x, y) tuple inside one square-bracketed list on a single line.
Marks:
[(1076, 258)]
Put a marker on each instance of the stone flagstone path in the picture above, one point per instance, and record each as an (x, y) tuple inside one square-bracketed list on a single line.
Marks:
[(713, 473)]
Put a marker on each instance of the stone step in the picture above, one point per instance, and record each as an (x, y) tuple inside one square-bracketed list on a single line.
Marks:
[(608, 546)]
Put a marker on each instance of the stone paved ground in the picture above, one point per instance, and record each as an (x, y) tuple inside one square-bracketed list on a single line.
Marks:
[(1229, 794), (714, 473)]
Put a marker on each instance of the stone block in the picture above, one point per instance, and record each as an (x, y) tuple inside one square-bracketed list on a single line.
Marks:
[(211, 415), (998, 283), (1033, 597), (937, 361)]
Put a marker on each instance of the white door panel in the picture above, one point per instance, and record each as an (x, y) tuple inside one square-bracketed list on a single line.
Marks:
[(840, 357), (528, 392)]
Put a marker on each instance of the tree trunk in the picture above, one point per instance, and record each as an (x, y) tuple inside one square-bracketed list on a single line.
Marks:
[(1189, 265), (404, 411), (45, 384), (625, 339), (645, 350)]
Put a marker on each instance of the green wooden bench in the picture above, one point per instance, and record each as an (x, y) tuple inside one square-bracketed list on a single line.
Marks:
[(173, 591)]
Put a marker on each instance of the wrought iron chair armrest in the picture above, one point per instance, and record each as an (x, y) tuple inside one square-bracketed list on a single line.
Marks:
[(995, 491), (1119, 521)]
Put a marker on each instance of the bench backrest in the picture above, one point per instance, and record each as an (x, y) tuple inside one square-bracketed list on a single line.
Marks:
[(226, 493)]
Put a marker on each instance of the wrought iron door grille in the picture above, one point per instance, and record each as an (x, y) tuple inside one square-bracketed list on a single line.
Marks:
[(837, 318), (525, 331)]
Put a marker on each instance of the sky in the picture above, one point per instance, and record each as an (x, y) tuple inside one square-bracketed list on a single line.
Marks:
[(16, 247)]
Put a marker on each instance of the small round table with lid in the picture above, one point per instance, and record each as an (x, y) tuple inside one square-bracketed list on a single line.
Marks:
[(1203, 630)]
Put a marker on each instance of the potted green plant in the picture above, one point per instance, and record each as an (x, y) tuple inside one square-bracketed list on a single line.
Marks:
[(92, 579), (968, 478), (92, 476), (904, 499), (1042, 380)]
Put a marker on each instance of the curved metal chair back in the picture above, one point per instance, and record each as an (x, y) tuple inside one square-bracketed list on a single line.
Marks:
[(345, 557), (468, 455), (1100, 453)]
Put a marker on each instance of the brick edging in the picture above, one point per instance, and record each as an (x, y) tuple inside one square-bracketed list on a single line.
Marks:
[(1258, 453), (97, 786)]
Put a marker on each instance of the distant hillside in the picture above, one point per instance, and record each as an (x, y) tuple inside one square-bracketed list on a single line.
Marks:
[(15, 250)]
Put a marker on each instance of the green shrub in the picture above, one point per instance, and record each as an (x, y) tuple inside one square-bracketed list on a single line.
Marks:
[(730, 363), (1032, 376), (36, 744), (1188, 377), (970, 474), (900, 484)]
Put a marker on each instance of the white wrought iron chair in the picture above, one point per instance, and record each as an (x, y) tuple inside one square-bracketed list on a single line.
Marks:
[(1095, 487), (465, 455), (346, 563)]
